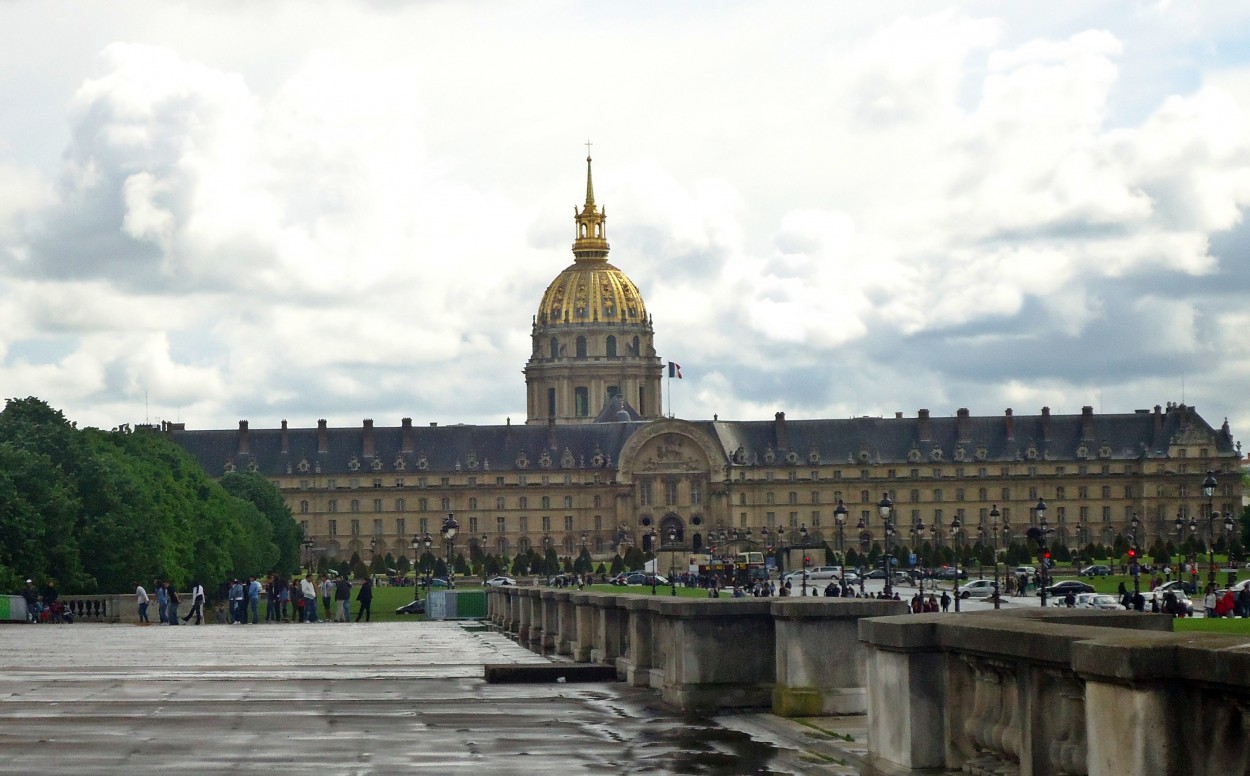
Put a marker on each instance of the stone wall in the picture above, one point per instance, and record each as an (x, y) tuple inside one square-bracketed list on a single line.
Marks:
[(797, 656), (1055, 692)]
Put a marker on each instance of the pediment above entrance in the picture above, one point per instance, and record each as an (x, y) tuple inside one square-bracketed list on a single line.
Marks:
[(672, 447)]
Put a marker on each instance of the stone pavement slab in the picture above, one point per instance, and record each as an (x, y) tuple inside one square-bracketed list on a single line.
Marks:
[(343, 699)]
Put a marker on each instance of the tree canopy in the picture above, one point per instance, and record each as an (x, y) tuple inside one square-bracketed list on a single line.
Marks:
[(97, 510)]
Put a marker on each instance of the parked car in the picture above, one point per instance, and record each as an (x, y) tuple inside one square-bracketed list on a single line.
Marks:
[(948, 572), (1096, 570), (1161, 593), (1060, 589), (412, 607), (977, 588), (500, 581), (1095, 601), (1030, 570), (641, 578), (825, 572)]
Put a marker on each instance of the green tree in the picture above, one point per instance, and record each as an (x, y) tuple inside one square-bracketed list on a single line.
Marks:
[(284, 531), (377, 565)]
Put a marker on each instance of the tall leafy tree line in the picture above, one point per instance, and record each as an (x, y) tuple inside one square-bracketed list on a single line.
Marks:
[(96, 510)]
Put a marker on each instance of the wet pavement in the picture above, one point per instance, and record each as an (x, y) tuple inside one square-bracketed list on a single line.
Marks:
[(356, 699)]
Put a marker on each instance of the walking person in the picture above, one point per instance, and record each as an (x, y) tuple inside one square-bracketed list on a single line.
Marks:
[(171, 595), (365, 598), (253, 600), (327, 594), (309, 592), (343, 600), (236, 602), (297, 600), (197, 603), (271, 599), (141, 598), (31, 596), (162, 601)]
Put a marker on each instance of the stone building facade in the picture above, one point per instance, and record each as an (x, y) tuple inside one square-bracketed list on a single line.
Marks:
[(598, 465)]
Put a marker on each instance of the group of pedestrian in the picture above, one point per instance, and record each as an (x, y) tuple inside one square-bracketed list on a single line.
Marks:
[(167, 602), (294, 600), (44, 607)]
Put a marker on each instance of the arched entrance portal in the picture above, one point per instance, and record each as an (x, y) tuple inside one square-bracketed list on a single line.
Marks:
[(672, 530)]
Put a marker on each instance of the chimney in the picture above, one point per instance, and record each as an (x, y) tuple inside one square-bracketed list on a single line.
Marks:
[(1010, 421), (368, 437), (405, 436), (898, 415), (323, 437), (963, 425), (245, 446), (1158, 416), (1045, 424), (1087, 424), (924, 428), (286, 439), (779, 431)]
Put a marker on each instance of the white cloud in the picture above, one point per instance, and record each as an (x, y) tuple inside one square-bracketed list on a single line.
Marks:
[(356, 218)]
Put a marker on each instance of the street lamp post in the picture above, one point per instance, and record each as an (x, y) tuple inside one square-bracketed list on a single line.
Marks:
[(655, 563), (672, 561), (956, 526), (482, 549), (917, 533), (886, 507), (428, 541), (803, 549), (450, 527), (1136, 569), (839, 516), (1043, 553), (994, 515), (1208, 490), (1229, 528), (416, 553)]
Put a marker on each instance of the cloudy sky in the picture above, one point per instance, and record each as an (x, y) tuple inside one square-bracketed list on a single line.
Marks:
[(299, 210)]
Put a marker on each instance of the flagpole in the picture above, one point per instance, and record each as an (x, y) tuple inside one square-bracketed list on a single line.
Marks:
[(669, 384)]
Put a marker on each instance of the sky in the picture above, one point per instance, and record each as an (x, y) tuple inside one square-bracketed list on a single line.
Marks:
[(271, 211)]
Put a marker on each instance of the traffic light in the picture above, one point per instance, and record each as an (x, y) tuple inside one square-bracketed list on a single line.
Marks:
[(1132, 554)]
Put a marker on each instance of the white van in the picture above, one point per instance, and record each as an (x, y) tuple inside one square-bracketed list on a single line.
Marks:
[(825, 572)]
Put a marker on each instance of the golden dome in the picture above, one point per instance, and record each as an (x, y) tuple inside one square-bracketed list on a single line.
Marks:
[(591, 290)]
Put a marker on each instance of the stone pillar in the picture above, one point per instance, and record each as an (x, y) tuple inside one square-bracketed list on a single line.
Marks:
[(637, 662), (534, 604), (522, 618), (610, 630), (718, 653), (512, 618), (566, 625), (550, 619), (584, 626), (821, 666), (906, 693)]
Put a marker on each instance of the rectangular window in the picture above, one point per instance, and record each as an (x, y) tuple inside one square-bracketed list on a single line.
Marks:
[(568, 502), (423, 526), (546, 502), (644, 493), (598, 522), (399, 482), (377, 505), (815, 518), (696, 493), (355, 505), (446, 503), (501, 525), (334, 527), (472, 527), (400, 528), (670, 493), (794, 497), (551, 402), (377, 527), (581, 398), (546, 523), (332, 483), (332, 505), (568, 522), (355, 527), (525, 524), (377, 482)]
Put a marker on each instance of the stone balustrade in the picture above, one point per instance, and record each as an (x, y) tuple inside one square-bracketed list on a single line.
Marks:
[(798, 656), (1057, 692)]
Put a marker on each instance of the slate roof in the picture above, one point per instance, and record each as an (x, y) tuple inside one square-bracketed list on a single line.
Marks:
[(920, 440)]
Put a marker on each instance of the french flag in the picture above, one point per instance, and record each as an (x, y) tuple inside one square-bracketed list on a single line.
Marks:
[(674, 369)]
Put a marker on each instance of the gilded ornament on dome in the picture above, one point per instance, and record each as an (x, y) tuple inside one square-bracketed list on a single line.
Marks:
[(579, 302)]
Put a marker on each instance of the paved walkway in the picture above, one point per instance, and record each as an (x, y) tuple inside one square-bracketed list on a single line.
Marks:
[(354, 699)]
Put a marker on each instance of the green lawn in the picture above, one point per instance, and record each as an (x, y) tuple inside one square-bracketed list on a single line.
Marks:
[(1236, 627)]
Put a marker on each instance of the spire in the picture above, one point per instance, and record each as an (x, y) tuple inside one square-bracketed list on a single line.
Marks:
[(590, 185), (590, 242)]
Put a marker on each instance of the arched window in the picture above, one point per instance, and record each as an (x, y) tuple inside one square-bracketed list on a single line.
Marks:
[(555, 347), (581, 347), (611, 346)]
